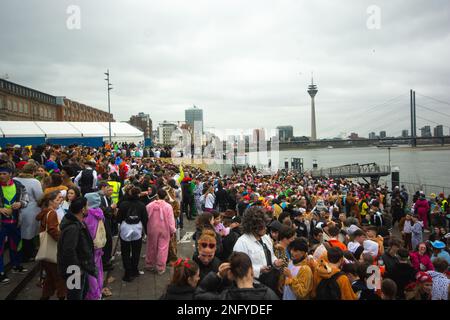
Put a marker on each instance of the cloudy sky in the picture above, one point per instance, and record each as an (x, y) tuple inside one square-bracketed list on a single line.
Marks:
[(246, 63)]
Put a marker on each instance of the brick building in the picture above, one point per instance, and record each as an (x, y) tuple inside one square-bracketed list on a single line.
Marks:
[(19, 103), (142, 121)]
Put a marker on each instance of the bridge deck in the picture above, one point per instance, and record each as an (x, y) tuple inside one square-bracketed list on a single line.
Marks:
[(353, 171)]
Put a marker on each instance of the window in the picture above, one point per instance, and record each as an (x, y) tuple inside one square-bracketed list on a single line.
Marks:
[(25, 107), (15, 106), (41, 111), (1, 102), (21, 107)]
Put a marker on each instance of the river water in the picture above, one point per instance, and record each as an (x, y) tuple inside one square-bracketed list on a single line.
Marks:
[(418, 167)]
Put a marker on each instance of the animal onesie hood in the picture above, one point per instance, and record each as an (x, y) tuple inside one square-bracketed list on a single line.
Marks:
[(324, 270), (95, 283)]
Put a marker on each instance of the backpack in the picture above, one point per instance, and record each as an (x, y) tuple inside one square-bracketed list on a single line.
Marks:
[(86, 181), (100, 236), (328, 289)]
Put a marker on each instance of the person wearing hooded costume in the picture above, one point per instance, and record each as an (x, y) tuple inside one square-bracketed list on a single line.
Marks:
[(160, 228), (95, 225)]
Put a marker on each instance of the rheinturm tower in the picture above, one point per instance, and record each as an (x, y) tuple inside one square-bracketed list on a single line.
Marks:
[(312, 90)]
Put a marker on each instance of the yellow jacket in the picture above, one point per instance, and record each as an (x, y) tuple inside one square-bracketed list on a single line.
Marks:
[(302, 284)]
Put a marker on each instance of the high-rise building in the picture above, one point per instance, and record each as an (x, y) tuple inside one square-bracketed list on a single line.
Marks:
[(286, 133), (372, 135), (382, 134), (143, 122), (258, 138), (439, 131), (165, 130), (193, 115), (405, 133), (312, 90), (425, 132)]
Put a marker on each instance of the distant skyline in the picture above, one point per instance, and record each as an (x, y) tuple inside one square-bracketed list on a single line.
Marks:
[(247, 64)]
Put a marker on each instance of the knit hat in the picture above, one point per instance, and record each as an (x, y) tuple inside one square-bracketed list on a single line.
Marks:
[(93, 200), (5, 169), (423, 277)]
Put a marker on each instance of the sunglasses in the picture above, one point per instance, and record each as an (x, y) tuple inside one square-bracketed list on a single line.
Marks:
[(205, 245)]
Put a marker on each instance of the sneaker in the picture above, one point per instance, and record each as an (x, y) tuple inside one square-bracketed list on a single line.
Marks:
[(19, 269), (161, 272), (127, 278), (3, 278)]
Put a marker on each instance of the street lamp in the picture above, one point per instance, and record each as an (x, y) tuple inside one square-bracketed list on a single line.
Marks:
[(389, 154), (109, 105)]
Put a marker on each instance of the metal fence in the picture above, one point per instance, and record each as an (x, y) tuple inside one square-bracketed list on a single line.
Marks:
[(412, 188)]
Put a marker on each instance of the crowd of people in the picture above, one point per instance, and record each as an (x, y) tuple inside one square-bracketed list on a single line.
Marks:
[(281, 236)]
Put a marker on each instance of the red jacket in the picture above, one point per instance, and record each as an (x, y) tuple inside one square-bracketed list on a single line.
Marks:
[(417, 259)]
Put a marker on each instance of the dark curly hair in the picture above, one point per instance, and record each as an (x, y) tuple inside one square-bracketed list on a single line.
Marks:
[(253, 220)]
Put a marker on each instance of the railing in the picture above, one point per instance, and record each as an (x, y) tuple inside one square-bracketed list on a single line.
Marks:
[(353, 170), (413, 187)]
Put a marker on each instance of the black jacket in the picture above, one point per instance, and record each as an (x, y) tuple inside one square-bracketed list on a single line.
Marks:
[(137, 207), (221, 200), (75, 247), (178, 293), (228, 243), (106, 206), (402, 274), (213, 266), (215, 288), (389, 262)]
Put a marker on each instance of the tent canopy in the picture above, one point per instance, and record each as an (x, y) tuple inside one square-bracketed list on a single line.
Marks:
[(63, 129), (58, 129), (20, 129)]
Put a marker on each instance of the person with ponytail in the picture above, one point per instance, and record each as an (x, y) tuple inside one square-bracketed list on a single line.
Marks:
[(49, 223), (186, 275)]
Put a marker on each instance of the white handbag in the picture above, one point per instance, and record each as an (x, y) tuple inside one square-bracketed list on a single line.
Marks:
[(48, 246)]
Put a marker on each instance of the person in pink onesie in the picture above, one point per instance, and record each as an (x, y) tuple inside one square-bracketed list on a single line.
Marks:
[(160, 228), (421, 207)]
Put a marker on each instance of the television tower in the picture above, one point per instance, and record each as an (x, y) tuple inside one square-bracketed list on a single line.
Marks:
[(312, 90)]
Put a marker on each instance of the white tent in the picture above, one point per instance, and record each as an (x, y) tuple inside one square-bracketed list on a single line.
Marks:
[(58, 129), (91, 129), (12, 129), (120, 131)]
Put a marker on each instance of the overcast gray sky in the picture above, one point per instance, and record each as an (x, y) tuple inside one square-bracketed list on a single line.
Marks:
[(246, 63)]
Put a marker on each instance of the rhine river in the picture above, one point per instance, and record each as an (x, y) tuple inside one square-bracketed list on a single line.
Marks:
[(423, 165)]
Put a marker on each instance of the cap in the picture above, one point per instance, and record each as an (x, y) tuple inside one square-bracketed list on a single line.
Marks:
[(423, 277)]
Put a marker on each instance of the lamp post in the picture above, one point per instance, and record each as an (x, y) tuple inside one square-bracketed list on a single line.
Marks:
[(109, 105)]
